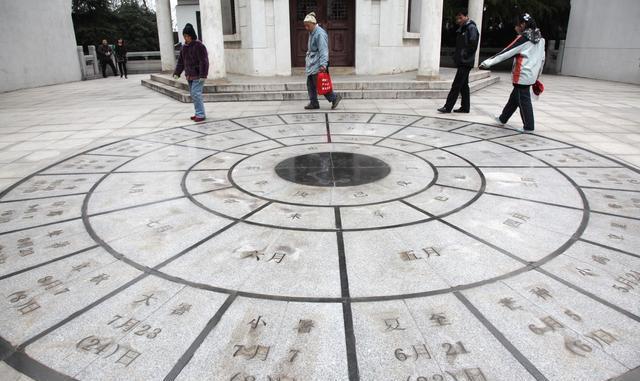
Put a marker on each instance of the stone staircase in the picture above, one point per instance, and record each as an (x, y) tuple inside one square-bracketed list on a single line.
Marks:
[(242, 88)]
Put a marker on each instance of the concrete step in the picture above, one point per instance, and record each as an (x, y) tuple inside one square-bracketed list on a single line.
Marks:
[(174, 92), (299, 84), (180, 93)]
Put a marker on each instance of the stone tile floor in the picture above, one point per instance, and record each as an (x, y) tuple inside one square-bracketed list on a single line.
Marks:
[(42, 125), (466, 252)]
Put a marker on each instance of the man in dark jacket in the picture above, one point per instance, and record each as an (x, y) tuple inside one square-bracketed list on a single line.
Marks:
[(467, 38), (195, 63), (105, 56)]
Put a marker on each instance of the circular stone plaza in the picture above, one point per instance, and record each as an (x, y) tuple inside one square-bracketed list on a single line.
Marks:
[(377, 241)]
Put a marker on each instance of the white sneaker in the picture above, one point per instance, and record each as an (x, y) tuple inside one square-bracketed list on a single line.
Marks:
[(498, 121)]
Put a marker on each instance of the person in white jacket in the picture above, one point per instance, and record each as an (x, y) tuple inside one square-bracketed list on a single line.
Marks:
[(529, 52)]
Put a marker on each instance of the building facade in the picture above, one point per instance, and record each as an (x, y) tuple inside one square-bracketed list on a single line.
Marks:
[(38, 45), (601, 40), (267, 37)]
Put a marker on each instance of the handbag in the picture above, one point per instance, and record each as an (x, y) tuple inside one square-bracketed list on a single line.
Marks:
[(324, 85), (538, 88)]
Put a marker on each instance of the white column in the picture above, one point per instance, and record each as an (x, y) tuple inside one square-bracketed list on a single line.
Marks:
[(165, 34), (476, 8), (430, 34), (282, 37), (212, 37)]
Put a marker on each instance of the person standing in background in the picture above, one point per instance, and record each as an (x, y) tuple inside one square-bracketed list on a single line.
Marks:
[(467, 37), (105, 56), (121, 57)]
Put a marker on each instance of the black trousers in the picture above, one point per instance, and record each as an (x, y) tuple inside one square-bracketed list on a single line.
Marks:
[(460, 86), (122, 67), (313, 91), (103, 66), (520, 98)]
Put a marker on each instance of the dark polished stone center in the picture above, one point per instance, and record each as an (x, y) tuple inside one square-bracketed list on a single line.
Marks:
[(332, 169)]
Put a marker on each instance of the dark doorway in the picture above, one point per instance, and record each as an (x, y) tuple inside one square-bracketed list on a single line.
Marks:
[(337, 17)]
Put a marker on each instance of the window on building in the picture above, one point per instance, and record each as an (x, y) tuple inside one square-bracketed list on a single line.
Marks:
[(413, 16), (228, 17)]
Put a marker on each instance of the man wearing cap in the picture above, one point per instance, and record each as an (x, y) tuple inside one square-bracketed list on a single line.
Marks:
[(195, 63), (316, 61)]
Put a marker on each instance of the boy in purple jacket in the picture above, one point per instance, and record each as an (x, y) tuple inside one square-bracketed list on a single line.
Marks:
[(195, 63)]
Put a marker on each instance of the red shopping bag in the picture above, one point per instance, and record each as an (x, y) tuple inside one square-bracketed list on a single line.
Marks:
[(538, 88), (324, 84)]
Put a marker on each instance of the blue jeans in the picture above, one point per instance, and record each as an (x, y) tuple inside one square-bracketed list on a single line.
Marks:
[(312, 80), (195, 89)]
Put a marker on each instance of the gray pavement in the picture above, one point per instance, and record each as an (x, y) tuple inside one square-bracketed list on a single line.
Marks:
[(376, 242)]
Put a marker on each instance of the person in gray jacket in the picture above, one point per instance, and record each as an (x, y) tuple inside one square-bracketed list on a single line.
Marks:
[(316, 61), (529, 52)]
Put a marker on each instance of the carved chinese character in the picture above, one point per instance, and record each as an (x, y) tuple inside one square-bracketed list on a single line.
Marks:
[(601, 337), (600, 259), (255, 322), (295, 216), (146, 299), (305, 326), (128, 325), (572, 315), (99, 278), (431, 251), (293, 353), (512, 223), (586, 272), (510, 304), (181, 309), (550, 324), (128, 357), (54, 233), (255, 351), (80, 266), (577, 347), (475, 374), (454, 350), (277, 257), (393, 325), (252, 254), (541, 293), (439, 319), (409, 255)]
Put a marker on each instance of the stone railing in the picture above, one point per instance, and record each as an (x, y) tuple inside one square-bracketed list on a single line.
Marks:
[(137, 63)]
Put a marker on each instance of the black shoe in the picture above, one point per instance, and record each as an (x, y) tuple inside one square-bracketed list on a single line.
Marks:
[(311, 107), (336, 102), (444, 110), (461, 110)]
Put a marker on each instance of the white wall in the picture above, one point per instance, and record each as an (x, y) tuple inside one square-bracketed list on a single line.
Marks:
[(262, 43), (382, 46), (602, 40), (38, 44), (186, 14)]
